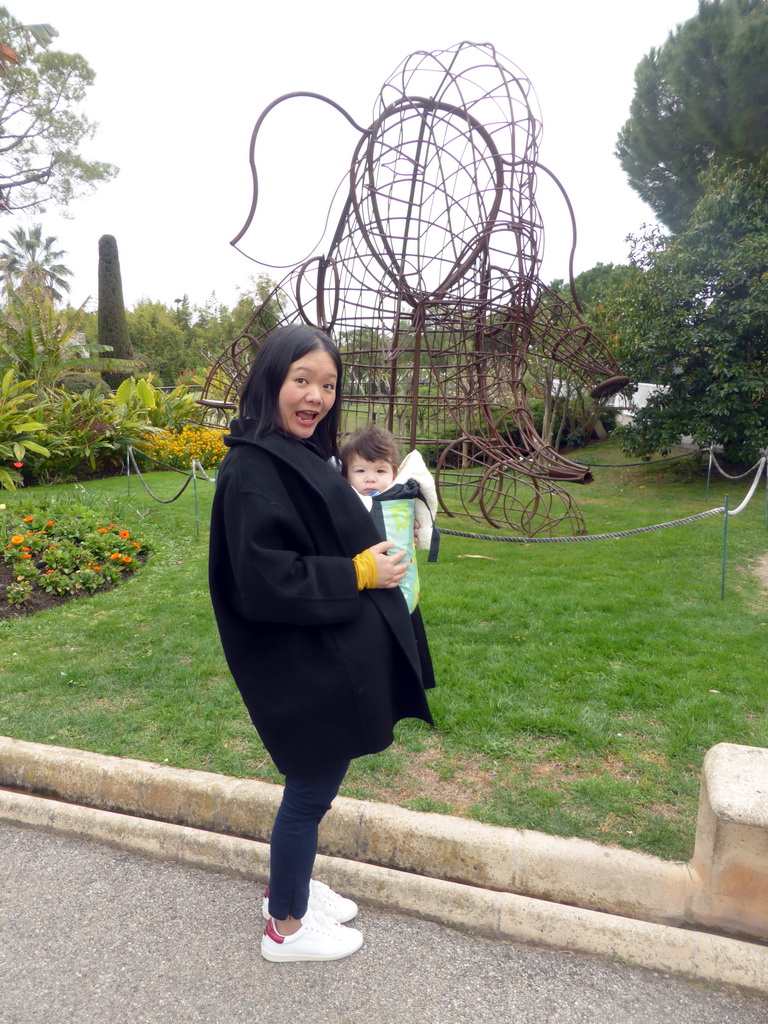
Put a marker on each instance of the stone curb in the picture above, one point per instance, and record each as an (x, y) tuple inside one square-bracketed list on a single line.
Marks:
[(570, 871), (692, 954)]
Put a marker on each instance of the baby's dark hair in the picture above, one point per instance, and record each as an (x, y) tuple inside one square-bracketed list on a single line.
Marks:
[(374, 444)]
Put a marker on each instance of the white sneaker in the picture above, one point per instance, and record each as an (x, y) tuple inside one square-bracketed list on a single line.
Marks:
[(319, 938), (323, 899)]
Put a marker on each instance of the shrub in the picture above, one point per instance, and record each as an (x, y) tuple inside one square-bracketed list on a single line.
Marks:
[(79, 383), (178, 449), (174, 409), (18, 402), (171, 411), (86, 435)]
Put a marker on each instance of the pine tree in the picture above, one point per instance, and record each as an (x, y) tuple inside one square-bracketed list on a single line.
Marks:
[(700, 99)]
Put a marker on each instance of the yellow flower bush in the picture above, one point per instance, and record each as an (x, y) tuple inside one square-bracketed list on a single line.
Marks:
[(178, 449)]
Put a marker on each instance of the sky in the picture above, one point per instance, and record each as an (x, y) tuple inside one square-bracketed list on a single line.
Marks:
[(180, 85)]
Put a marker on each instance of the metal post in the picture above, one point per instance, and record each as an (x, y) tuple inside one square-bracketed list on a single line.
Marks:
[(725, 549), (128, 467), (194, 488)]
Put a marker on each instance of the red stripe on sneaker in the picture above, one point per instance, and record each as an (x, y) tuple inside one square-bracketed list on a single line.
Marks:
[(271, 932)]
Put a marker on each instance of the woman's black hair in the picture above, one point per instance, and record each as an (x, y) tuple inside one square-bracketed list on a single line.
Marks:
[(260, 392)]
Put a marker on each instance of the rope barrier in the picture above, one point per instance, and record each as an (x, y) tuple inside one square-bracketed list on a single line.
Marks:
[(161, 501), (625, 465), (201, 472), (157, 462), (624, 532), (728, 476), (720, 510), (587, 536), (759, 466), (197, 468)]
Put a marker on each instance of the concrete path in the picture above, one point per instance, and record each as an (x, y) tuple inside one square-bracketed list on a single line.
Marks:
[(94, 935)]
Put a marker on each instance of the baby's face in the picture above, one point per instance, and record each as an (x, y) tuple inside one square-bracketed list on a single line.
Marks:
[(369, 477)]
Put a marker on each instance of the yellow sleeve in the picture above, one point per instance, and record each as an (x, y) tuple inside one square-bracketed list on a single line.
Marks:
[(365, 570)]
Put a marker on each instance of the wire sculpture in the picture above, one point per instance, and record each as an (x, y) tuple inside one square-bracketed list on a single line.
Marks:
[(430, 286)]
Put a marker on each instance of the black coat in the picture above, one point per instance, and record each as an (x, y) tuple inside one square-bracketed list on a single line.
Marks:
[(325, 670)]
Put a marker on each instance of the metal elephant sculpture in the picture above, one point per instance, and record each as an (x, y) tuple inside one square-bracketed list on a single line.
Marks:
[(430, 285)]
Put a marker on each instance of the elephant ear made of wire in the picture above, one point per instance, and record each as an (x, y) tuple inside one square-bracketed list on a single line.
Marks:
[(429, 283)]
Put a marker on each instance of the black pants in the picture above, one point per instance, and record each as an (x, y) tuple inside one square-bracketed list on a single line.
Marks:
[(293, 844)]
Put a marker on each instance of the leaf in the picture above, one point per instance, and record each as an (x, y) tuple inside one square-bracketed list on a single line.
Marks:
[(146, 393), (124, 391), (6, 480), (33, 446)]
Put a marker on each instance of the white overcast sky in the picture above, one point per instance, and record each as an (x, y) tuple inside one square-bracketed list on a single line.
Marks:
[(179, 86)]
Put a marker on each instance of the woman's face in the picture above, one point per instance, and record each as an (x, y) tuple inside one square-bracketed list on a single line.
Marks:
[(307, 393)]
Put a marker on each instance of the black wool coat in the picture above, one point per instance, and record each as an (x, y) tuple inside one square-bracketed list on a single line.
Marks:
[(325, 670)]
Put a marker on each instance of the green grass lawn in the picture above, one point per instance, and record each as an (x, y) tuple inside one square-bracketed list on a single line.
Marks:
[(579, 684)]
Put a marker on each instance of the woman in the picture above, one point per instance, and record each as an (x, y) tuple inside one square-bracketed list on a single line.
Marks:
[(314, 627)]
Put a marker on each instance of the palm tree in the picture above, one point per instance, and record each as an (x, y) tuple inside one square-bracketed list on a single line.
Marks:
[(27, 260)]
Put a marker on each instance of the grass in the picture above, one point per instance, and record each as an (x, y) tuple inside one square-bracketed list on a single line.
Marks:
[(579, 684)]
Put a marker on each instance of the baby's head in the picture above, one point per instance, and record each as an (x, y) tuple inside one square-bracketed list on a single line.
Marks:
[(369, 460)]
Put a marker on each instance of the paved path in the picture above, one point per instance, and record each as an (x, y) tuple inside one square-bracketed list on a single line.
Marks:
[(92, 935)]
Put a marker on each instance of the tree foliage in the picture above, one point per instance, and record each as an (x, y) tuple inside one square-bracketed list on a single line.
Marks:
[(42, 342), (176, 341), (37, 340), (161, 340), (701, 97), (695, 322), (569, 410), (42, 128), (27, 260)]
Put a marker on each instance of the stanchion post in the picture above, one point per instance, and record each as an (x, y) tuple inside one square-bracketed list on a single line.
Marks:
[(725, 549), (194, 488)]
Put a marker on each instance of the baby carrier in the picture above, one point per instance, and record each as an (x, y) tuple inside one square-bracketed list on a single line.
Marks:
[(411, 497)]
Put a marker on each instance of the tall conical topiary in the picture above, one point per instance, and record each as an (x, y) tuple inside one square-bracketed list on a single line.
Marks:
[(113, 326)]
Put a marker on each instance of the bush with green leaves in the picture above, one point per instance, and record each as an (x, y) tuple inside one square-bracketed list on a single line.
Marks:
[(79, 383), (18, 403), (85, 435), (175, 409), (88, 434), (168, 411), (694, 322)]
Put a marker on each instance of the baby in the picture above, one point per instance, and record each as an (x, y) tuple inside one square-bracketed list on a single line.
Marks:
[(400, 495), (369, 460)]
